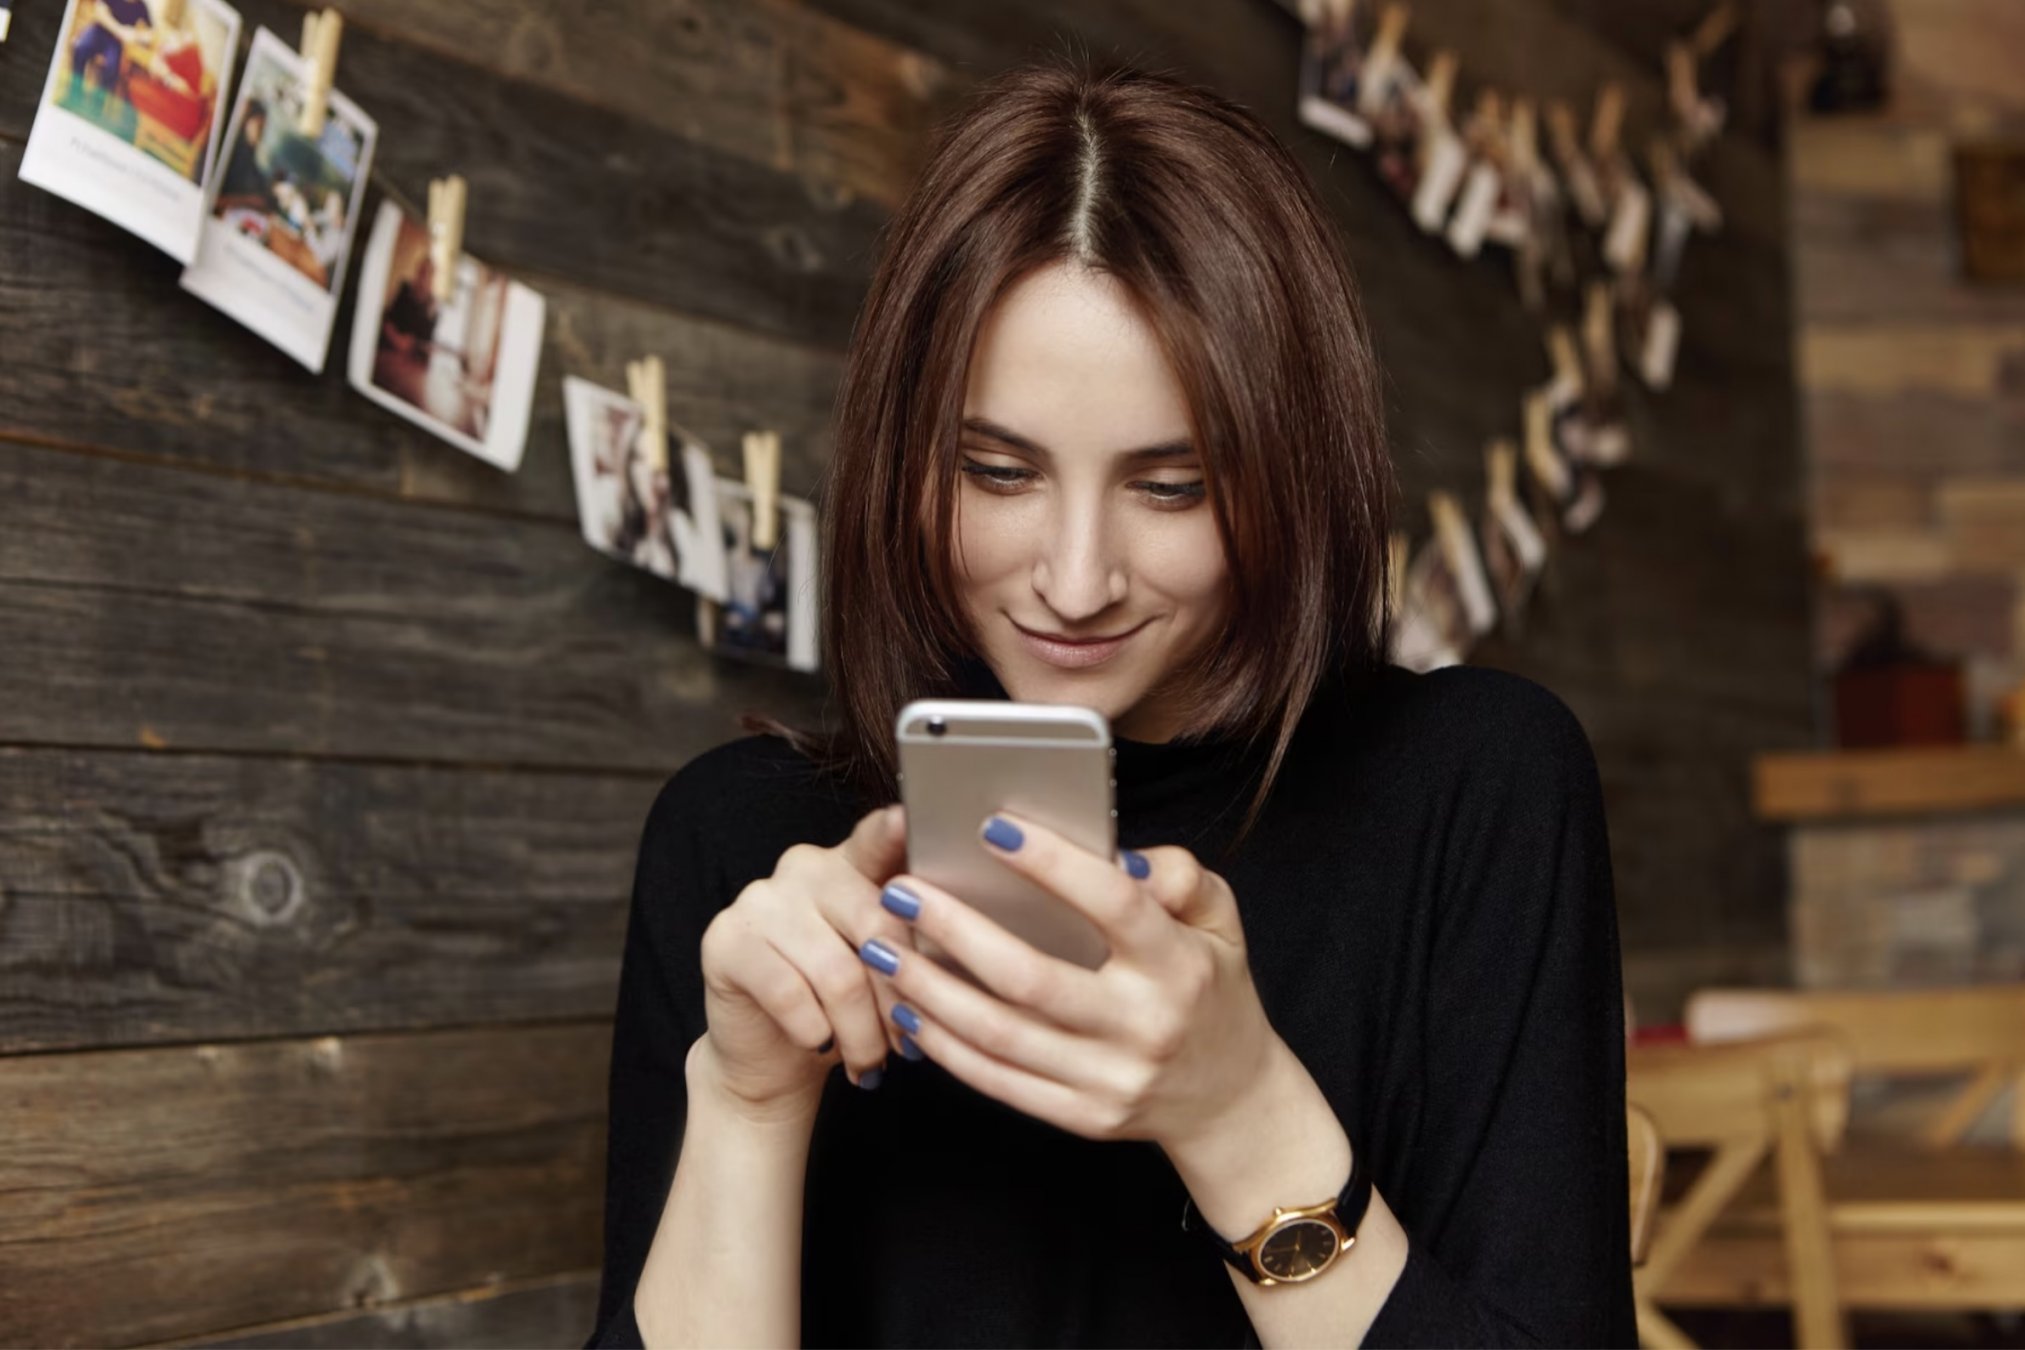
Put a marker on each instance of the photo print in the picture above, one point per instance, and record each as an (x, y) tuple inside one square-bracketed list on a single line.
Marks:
[(1513, 551), (461, 367), (283, 207), (1430, 629), (1568, 492), (771, 613), (129, 120), (1332, 64), (626, 504)]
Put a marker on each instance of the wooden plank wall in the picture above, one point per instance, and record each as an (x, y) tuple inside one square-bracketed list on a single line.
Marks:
[(1913, 379), (324, 748)]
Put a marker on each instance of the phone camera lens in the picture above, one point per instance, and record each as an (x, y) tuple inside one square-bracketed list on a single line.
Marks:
[(937, 727)]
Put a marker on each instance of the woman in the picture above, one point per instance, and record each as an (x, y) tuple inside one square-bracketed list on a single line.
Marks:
[(1109, 434)]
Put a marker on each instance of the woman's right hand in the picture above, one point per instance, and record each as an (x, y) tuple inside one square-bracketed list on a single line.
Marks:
[(782, 975)]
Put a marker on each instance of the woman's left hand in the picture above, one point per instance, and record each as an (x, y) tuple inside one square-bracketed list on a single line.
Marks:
[(1157, 1043)]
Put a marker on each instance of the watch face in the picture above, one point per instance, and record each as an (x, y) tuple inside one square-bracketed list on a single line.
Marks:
[(1300, 1249)]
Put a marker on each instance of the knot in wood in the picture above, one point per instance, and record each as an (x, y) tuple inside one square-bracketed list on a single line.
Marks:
[(267, 886)]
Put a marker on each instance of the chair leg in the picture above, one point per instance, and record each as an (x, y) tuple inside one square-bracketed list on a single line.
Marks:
[(1656, 1331), (1818, 1319)]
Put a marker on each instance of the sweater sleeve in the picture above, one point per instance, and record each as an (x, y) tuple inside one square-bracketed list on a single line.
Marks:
[(1515, 1197), (658, 1017)]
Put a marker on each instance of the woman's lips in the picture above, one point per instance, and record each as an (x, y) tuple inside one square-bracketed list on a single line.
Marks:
[(1074, 655)]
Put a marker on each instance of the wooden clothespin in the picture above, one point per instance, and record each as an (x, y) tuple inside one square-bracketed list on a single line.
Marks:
[(322, 31), (1438, 86), (1522, 137), (647, 385), (1501, 472), (1599, 339), (1384, 54), (1465, 561), (1715, 29), (1545, 462), (762, 475), (1568, 382), (446, 233), (1607, 123)]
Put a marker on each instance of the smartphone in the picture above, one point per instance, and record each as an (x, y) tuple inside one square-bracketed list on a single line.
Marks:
[(1054, 763)]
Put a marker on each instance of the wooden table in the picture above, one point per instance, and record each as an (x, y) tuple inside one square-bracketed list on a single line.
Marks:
[(1909, 1229)]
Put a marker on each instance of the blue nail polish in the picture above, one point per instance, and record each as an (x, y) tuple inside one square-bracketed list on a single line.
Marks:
[(871, 1078), (910, 1049), (1002, 833), (900, 900), (1136, 864), (906, 1018), (879, 956)]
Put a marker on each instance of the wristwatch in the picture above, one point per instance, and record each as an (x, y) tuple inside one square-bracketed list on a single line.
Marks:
[(1295, 1244)]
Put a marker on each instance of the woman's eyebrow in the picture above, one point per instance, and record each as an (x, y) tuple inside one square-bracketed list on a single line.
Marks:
[(984, 426)]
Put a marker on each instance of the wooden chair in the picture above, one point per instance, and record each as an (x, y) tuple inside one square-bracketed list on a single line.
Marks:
[(1922, 1221), (1648, 1168), (1785, 1098), (1976, 1032)]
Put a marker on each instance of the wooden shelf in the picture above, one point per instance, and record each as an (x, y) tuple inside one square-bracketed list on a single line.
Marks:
[(1918, 780)]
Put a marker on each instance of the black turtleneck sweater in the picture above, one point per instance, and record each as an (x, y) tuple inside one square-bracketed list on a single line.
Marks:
[(1428, 910)]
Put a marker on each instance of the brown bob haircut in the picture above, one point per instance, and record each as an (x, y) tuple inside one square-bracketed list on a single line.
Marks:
[(1209, 224)]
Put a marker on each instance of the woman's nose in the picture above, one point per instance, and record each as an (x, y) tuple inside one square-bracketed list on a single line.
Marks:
[(1078, 572)]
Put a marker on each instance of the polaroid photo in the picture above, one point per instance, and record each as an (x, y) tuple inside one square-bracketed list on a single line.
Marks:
[(1465, 563), (1430, 631), (1332, 64), (626, 503), (461, 368), (129, 119), (283, 207), (1568, 490), (1514, 552), (770, 616)]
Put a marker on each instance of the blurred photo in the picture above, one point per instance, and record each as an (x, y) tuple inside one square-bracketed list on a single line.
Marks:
[(771, 612), (283, 206), (128, 124), (462, 366)]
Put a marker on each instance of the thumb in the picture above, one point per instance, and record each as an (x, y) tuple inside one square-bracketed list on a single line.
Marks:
[(877, 845)]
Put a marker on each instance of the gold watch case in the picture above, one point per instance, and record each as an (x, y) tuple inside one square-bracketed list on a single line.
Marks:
[(1297, 1244)]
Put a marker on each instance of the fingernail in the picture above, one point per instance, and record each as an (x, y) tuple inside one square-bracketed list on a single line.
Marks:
[(906, 1018), (879, 956), (910, 1049), (900, 900), (1136, 864), (871, 1078), (1002, 833), (827, 1046)]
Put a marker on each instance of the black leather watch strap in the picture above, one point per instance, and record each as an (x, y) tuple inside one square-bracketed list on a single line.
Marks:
[(1351, 1203)]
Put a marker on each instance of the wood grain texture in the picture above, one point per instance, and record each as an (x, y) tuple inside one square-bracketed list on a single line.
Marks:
[(1915, 780), (151, 1194), (546, 1314), (770, 81), (149, 898), (561, 188), (220, 396), (145, 605)]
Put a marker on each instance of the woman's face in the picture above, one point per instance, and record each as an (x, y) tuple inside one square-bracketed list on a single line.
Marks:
[(1063, 532)]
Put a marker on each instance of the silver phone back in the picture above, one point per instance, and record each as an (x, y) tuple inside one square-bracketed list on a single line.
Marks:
[(1049, 762)]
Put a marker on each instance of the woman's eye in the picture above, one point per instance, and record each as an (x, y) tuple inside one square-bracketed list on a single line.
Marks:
[(997, 476), (1178, 493)]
